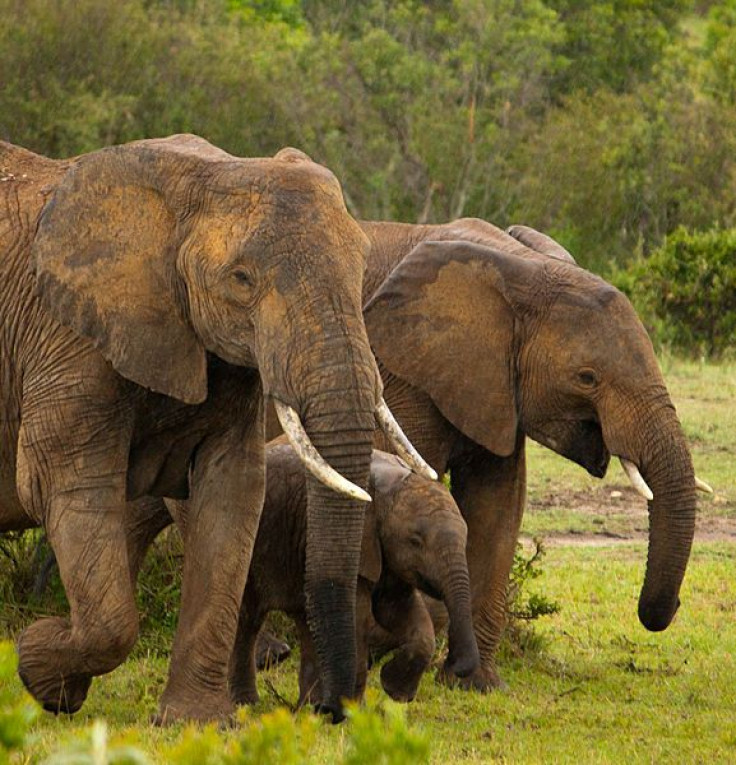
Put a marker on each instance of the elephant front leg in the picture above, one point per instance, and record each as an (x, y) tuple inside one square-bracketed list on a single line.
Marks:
[(222, 521), (490, 492), (405, 617), (243, 686), (82, 502)]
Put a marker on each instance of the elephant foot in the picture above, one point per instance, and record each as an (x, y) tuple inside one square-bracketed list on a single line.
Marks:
[(270, 651), (400, 677), (244, 695), (334, 709), (483, 679), (203, 708), (49, 665)]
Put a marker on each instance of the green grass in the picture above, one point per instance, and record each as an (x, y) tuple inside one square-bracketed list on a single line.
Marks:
[(601, 688)]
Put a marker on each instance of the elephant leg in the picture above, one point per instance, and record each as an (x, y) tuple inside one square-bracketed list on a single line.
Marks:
[(310, 687), (270, 650), (222, 520), (408, 622), (71, 475), (145, 519), (243, 686), (363, 622), (490, 492)]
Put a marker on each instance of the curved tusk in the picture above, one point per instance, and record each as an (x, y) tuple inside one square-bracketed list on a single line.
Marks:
[(311, 458), (636, 478), (703, 486), (403, 445)]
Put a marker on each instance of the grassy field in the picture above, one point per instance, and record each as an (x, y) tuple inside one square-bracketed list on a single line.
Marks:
[(597, 687)]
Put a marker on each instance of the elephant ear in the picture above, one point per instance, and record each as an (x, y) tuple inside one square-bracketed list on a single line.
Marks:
[(371, 557), (105, 259), (388, 473), (444, 321), (540, 242)]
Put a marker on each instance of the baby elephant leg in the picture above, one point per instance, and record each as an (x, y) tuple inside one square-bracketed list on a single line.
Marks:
[(310, 688), (242, 681), (409, 623)]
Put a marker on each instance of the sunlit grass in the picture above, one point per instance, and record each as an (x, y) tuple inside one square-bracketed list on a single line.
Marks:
[(602, 689)]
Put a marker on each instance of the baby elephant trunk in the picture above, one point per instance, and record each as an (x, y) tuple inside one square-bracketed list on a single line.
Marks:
[(463, 658)]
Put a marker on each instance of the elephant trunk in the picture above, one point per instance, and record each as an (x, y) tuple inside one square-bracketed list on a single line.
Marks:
[(337, 404), (667, 468), (334, 534), (463, 657)]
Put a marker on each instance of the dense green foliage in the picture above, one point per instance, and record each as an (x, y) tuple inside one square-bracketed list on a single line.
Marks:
[(686, 291), (607, 124)]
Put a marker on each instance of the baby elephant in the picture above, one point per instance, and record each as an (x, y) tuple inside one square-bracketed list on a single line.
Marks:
[(413, 540)]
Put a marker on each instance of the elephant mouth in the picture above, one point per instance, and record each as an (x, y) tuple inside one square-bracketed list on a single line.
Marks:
[(314, 462), (578, 440), (428, 588)]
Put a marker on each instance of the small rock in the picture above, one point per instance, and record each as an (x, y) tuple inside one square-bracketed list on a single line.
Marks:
[(616, 494)]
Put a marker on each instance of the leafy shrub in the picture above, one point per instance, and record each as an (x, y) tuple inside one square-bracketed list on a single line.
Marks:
[(522, 607), (686, 291), (17, 708), (379, 733)]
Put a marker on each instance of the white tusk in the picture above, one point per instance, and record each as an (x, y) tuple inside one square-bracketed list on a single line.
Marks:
[(703, 486), (403, 445), (311, 458), (636, 478)]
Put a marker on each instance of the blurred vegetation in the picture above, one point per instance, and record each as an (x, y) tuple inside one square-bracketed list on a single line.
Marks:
[(686, 292), (607, 124)]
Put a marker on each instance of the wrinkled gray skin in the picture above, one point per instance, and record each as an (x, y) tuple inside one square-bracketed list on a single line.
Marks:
[(414, 539), (479, 347), (149, 293)]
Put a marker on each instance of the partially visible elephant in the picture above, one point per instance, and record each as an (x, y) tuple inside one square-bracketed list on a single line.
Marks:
[(480, 345), (414, 540), (150, 294)]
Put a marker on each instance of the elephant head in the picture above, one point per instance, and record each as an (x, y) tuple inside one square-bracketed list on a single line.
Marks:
[(510, 342), (421, 537), (163, 251)]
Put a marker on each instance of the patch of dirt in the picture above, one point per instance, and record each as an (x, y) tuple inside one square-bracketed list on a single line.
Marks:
[(622, 503)]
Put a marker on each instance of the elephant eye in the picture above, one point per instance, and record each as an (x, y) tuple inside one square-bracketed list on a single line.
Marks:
[(242, 277), (587, 378)]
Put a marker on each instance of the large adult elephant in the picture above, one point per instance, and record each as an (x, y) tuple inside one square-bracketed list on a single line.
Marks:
[(143, 288), (484, 341)]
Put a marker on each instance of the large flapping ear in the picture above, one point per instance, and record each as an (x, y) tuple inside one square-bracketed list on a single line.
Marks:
[(444, 321), (105, 259), (540, 242), (388, 472)]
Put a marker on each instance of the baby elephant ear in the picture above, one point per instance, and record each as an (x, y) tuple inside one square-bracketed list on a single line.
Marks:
[(443, 321), (105, 260)]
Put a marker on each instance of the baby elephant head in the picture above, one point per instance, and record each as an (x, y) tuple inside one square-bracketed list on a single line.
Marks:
[(423, 538)]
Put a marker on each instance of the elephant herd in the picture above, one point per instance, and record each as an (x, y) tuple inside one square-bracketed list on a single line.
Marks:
[(167, 308)]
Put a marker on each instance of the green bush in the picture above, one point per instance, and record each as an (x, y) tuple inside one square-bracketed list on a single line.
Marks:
[(17, 708), (685, 291), (522, 607)]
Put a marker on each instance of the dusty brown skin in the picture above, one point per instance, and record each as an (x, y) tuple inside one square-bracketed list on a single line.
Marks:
[(414, 538), (480, 346), (143, 289)]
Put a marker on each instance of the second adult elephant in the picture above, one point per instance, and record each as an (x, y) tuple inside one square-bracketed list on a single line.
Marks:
[(481, 346)]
